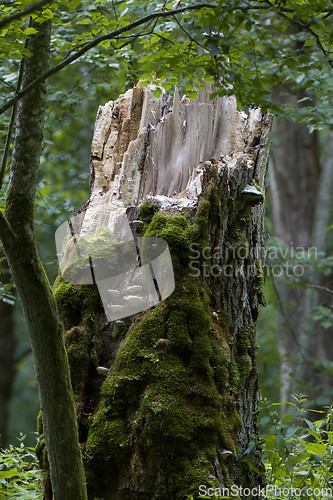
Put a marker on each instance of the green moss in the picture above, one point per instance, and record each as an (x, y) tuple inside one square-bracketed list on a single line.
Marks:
[(244, 214), (109, 440), (170, 396), (40, 449), (259, 284), (244, 365), (40, 423), (100, 250), (76, 303), (260, 189), (234, 378), (221, 356), (246, 343), (242, 248), (77, 343), (174, 229), (174, 381), (260, 276), (147, 211), (199, 230), (227, 481), (41, 453), (190, 472), (168, 375), (243, 340)]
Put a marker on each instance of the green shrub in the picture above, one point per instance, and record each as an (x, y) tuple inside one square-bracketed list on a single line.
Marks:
[(298, 453), (19, 474)]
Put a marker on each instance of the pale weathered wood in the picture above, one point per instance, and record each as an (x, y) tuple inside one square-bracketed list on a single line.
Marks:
[(144, 146)]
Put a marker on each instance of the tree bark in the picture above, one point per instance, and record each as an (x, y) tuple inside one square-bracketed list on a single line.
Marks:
[(178, 404), (46, 331), (7, 350)]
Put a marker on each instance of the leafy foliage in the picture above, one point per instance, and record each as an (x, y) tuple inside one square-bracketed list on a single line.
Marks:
[(19, 475), (245, 48), (5, 293), (297, 453)]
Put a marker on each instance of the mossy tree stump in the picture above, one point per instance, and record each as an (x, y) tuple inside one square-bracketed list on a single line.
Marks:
[(178, 403)]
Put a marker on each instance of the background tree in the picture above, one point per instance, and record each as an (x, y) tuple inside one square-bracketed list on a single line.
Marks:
[(7, 349), (301, 213)]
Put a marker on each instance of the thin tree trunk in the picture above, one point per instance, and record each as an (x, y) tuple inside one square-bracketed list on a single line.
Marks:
[(178, 405), (7, 350), (46, 331)]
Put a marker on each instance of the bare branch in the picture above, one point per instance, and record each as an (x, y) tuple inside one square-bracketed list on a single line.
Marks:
[(186, 32), (319, 287), (25, 12)]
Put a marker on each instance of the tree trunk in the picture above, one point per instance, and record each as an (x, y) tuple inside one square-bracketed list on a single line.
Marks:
[(301, 187), (46, 331), (166, 397), (7, 350)]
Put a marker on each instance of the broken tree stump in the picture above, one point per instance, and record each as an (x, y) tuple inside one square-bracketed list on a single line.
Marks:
[(167, 388)]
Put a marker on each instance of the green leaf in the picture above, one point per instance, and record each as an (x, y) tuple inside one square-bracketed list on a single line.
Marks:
[(157, 93), (213, 95), (11, 302), (106, 44), (290, 432), (270, 442), (46, 14), (8, 473), (124, 12), (315, 435), (309, 424), (30, 31), (72, 4), (280, 444), (316, 448), (192, 95), (287, 419), (264, 420), (249, 448)]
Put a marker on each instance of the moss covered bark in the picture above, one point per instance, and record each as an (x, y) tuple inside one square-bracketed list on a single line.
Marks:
[(178, 403)]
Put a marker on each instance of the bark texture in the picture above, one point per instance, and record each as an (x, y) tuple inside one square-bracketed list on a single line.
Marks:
[(46, 331), (7, 350), (167, 397)]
